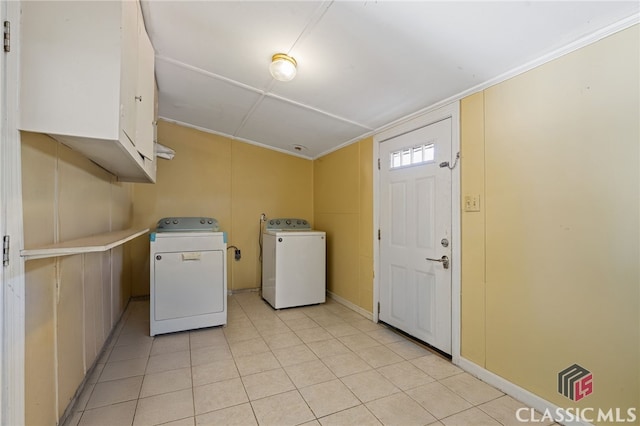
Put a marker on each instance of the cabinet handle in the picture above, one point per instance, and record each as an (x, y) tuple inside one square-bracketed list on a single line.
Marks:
[(139, 98)]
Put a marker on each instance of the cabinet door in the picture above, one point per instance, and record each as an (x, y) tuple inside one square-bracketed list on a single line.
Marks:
[(145, 105), (129, 70), (70, 68)]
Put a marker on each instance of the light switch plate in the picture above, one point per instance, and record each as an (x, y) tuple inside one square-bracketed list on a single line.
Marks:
[(472, 203)]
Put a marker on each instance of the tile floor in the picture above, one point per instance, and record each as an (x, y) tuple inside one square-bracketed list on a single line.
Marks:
[(322, 364)]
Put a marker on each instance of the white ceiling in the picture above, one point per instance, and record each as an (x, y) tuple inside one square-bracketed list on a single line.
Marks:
[(361, 64)]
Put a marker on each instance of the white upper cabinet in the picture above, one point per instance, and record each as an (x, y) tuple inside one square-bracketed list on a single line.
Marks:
[(145, 95), (87, 80)]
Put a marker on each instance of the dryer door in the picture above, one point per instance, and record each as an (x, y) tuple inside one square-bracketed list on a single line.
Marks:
[(188, 283)]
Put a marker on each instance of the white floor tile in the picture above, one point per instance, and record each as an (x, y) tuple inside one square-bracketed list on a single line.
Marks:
[(238, 415), (117, 414), (168, 361), (215, 396), (438, 400), (470, 417), (369, 385), (322, 364), (473, 390), (329, 397), (267, 383), (216, 371), (123, 369), (358, 415), (166, 381), (115, 391), (282, 410), (399, 409), (164, 408)]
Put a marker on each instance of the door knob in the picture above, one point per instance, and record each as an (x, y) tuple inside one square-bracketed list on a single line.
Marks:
[(444, 260)]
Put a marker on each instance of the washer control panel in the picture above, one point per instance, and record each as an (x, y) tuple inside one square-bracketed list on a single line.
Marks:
[(288, 224), (187, 224)]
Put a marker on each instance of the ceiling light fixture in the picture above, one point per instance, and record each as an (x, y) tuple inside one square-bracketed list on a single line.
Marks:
[(283, 67)]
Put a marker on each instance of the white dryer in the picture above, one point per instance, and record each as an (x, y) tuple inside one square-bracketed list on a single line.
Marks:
[(293, 264), (188, 275)]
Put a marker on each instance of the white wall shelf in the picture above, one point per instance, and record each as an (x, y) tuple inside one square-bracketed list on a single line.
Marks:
[(94, 243)]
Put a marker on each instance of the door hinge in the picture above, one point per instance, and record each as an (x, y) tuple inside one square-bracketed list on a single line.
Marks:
[(378, 164), (5, 250), (378, 308), (378, 235), (7, 36)]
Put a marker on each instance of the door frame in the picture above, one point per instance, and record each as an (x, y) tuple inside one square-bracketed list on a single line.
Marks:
[(398, 128), (12, 293)]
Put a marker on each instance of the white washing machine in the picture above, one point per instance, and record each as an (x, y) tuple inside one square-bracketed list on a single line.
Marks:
[(293, 264), (188, 275)]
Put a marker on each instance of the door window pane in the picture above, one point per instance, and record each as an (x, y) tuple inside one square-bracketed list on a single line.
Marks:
[(419, 154)]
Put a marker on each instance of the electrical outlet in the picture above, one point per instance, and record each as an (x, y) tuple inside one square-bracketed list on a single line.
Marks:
[(238, 256), (472, 203)]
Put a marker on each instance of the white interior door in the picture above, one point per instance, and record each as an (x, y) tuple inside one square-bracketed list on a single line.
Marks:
[(415, 225)]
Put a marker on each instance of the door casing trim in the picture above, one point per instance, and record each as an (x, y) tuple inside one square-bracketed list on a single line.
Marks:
[(12, 300), (451, 111)]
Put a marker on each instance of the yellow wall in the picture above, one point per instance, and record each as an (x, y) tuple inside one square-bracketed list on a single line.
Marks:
[(550, 266), (232, 181), (343, 208), (472, 298), (69, 306)]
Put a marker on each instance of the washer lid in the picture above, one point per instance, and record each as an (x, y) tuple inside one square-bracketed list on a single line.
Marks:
[(187, 224), (288, 224)]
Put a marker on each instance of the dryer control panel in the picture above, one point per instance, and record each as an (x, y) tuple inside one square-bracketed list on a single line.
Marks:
[(187, 224), (288, 224)]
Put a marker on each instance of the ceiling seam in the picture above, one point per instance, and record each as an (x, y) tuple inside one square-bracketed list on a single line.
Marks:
[(319, 111), (262, 93), (248, 115), (312, 22), (315, 19), (226, 135), (209, 74)]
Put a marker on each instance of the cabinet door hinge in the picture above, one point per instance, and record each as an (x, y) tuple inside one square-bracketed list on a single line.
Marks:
[(378, 235), (378, 164), (5, 250), (378, 308), (7, 36)]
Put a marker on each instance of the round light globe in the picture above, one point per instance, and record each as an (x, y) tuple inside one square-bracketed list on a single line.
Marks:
[(283, 67)]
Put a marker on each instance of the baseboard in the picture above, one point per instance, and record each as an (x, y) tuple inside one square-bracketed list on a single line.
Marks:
[(243, 290), (516, 392), (350, 305)]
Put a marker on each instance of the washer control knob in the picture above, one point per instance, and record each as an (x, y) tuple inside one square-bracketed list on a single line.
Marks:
[(277, 222), (166, 222), (279, 240), (158, 257), (271, 222), (299, 222), (304, 222), (202, 221), (288, 222), (175, 221), (210, 221)]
